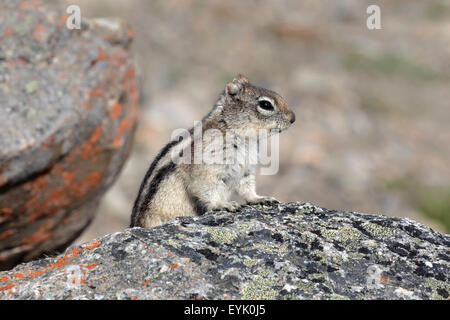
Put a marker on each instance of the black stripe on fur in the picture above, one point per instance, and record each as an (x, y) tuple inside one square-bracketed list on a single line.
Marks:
[(137, 207)]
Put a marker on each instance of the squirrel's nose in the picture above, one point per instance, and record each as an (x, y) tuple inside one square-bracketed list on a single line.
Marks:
[(292, 117)]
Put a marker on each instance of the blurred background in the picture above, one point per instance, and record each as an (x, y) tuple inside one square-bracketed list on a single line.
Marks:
[(372, 106)]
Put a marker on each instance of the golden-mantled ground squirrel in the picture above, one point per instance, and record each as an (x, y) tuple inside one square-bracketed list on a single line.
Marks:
[(175, 187)]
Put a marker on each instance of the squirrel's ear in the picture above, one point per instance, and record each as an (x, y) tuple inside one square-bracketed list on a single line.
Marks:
[(236, 85), (241, 78)]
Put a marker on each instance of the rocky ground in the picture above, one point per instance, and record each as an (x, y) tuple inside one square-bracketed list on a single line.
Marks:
[(285, 251), (372, 106)]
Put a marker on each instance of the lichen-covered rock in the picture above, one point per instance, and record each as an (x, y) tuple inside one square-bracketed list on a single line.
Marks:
[(68, 109), (286, 251)]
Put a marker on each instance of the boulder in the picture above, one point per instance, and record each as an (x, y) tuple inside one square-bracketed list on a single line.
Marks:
[(285, 251), (68, 101)]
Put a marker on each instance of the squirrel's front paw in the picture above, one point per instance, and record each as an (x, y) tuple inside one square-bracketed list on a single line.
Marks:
[(229, 206), (263, 200)]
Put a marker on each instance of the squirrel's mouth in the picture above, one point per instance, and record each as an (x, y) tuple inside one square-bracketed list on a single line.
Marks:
[(284, 128)]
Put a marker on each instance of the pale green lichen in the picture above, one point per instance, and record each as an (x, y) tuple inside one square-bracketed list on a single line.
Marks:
[(335, 296), (271, 247), (355, 255), (171, 242), (344, 234), (250, 262), (221, 235), (305, 286), (31, 86), (325, 224), (417, 240), (299, 216), (182, 236), (244, 227), (378, 231), (307, 237), (303, 211), (337, 260), (260, 288), (289, 296), (24, 26), (320, 254), (317, 276), (434, 285)]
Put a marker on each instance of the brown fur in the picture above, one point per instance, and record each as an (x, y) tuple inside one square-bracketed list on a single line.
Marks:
[(170, 190)]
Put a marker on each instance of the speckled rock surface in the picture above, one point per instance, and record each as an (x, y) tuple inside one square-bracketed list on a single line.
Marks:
[(286, 251), (68, 110)]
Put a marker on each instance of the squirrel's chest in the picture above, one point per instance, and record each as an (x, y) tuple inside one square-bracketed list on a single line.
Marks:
[(239, 164), (234, 158)]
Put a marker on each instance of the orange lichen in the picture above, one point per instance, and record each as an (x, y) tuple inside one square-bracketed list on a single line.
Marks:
[(60, 196), (6, 234), (5, 212), (54, 201), (130, 73), (23, 5), (42, 234), (150, 250), (96, 92), (38, 185), (87, 106), (68, 177), (76, 252), (39, 28), (91, 266), (47, 143), (38, 31), (92, 245), (7, 33), (130, 32), (36, 273), (21, 60), (146, 282), (123, 127), (102, 55), (88, 148), (134, 298), (86, 185), (116, 111), (81, 280), (18, 276), (169, 254), (7, 287), (174, 266), (59, 263)]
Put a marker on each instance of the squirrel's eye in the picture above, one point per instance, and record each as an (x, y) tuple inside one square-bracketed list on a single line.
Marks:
[(266, 105)]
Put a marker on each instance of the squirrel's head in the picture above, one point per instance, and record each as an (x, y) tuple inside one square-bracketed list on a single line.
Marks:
[(246, 107)]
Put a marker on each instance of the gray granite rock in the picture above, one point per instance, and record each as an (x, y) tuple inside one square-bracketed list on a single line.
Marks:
[(286, 251), (68, 112)]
